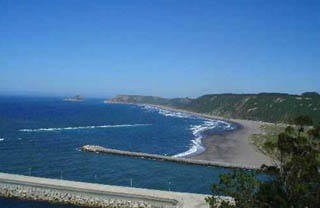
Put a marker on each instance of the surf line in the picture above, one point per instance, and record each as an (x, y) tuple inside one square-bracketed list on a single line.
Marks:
[(99, 149), (84, 127)]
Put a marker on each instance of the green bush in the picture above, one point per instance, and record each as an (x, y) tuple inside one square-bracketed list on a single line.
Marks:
[(296, 180)]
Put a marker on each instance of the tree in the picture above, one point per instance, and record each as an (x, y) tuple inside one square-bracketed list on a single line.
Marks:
[(296, 182), (303, 121), (310, 94), (240, 186)]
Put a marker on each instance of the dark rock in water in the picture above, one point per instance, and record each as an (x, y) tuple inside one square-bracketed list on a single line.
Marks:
[(76, 98)]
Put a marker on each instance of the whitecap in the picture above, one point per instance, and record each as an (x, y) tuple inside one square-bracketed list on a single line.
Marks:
[(1, 139), (83, 127)]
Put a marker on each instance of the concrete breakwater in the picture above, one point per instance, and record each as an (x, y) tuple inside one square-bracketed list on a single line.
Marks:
[(90, 195), (64, 197), (99, 149)]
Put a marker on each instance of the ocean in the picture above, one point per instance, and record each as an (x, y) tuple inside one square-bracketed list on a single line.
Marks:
[(42, 136)]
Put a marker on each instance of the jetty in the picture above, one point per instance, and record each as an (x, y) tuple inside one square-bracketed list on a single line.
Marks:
[(99, 149), (95, 195)]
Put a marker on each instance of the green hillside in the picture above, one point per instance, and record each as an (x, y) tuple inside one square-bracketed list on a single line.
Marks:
[(270, 107)]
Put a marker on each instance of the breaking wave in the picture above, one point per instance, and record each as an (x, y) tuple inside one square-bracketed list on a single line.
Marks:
[(83, 127), (197, 130), (167, 112)]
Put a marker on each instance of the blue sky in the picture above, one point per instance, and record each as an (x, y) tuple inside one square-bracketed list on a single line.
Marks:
[(170, 48)]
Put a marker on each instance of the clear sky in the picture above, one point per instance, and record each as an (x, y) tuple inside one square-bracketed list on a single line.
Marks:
[(170, 48)]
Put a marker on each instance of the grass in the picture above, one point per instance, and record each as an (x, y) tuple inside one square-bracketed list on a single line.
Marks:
[(269, 133)]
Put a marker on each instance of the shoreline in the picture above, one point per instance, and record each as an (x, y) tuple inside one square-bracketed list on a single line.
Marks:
[(232, 146)]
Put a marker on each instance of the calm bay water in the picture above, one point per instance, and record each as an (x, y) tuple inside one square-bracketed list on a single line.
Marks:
[(42, 137)]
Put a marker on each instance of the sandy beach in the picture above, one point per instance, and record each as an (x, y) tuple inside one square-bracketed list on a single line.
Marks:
[(231, 147), (234, 147)]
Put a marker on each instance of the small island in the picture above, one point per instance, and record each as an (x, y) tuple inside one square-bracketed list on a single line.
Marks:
[(76, 98)]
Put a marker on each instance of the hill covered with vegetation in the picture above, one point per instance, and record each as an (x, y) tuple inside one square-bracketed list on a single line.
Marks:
[(269, 107)]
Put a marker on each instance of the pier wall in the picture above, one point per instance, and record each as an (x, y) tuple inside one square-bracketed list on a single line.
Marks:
[(99, 149), (93, 195)]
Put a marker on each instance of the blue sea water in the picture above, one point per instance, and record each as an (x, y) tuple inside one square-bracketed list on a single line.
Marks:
[(42, 136)]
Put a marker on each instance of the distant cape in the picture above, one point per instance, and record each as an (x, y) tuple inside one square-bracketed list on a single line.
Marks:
[(268, 107)]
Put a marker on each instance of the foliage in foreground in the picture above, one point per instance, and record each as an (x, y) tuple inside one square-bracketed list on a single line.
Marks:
[(296, 182)]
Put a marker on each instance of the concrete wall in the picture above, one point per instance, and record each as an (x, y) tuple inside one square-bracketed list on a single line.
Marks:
[(93, 195), (99, 149)]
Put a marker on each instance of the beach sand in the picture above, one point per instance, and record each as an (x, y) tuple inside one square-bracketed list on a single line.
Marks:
[(234, 147), (231, 147)]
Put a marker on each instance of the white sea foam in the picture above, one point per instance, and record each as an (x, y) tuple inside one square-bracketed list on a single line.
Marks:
[(83, 127), (167, 112), (1, 139), (197, 130)]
